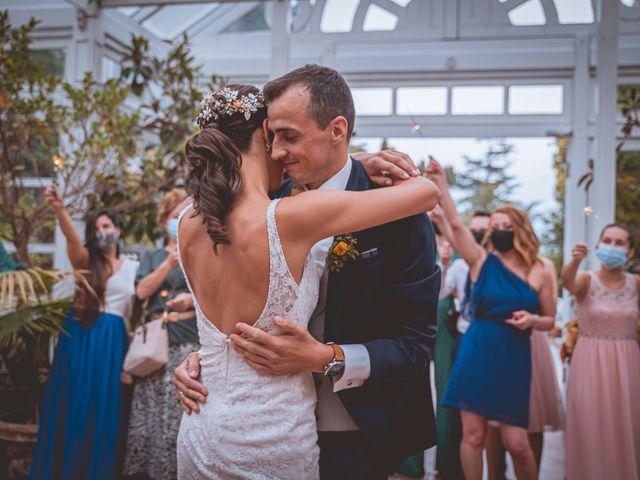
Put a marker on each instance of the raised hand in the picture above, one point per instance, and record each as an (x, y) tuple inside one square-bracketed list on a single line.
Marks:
[(435, 173), (579, 252), (383, 167), (52, 197)]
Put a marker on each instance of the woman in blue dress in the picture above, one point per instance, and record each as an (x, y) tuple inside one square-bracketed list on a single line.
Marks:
[(512, 293), (83, 419)]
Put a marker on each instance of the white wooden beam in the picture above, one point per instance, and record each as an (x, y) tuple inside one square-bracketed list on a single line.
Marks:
[(575, 226), (149, 3), (603, 190), (280, 38)]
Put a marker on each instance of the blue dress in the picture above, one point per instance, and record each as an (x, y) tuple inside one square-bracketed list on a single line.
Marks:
[(83, 416), (492, 373)]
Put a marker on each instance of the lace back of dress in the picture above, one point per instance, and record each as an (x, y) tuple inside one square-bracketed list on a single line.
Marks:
[(283, 290)]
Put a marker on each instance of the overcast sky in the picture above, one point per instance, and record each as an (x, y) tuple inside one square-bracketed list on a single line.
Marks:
[(532, 161)]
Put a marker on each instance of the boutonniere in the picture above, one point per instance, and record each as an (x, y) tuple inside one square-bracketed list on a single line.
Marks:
[(342, 249)]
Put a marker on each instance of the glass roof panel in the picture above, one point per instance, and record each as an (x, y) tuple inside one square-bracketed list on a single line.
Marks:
[(128, 11), (254, 21), (169, 22)]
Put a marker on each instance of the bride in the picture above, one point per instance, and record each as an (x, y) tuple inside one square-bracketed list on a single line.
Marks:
[(246, 259)]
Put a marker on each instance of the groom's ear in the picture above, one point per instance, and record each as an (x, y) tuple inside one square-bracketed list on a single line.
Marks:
[(338, 127)]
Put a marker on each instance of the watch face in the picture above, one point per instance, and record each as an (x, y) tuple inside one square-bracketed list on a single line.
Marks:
[(335, 368)]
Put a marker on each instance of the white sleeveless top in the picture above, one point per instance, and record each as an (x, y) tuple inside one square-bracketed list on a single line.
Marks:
[(120, 289), (253, 426)]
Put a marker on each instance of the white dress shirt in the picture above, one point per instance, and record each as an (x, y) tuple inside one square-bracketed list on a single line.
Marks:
[(332, 416), (454, 283)]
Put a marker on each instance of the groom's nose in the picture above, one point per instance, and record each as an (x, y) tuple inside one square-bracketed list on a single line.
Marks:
[(277, 152)]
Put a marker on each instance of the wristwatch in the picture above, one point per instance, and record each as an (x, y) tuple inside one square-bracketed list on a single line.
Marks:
[(336, 365)]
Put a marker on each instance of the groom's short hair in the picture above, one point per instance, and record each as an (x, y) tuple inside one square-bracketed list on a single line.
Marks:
[(330, 96)]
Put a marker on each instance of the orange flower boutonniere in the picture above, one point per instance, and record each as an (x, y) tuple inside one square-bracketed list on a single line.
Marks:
[(342, 249)]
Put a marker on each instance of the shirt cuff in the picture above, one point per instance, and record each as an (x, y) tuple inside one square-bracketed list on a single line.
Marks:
[(357, 367)]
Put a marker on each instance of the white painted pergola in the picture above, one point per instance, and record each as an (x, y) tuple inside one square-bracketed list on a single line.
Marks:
[(417, 58)]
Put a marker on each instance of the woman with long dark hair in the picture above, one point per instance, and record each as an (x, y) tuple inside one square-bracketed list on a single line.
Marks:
[(511, 295), (83, 419)]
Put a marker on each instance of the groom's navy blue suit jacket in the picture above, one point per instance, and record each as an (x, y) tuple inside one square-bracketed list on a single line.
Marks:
[(388, 302)]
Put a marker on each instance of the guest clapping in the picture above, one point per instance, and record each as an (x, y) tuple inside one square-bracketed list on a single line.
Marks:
[(81, 432), (603, 398), (512, 294)]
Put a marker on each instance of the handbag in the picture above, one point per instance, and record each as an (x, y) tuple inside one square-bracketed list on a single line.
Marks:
[(149, 349)]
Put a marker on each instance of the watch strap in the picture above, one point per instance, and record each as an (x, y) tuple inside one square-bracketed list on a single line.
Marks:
[(338, 353)]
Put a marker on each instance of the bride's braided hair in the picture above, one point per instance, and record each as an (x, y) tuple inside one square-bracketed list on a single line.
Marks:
[(214, 178)]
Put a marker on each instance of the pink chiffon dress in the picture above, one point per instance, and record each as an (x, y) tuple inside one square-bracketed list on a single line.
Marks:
[(545, 401), (603, 399)]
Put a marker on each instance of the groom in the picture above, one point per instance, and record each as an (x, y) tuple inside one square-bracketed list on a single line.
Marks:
[(377, 313)]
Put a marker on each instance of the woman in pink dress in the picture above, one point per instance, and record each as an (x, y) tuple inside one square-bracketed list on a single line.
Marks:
[(603, 400)]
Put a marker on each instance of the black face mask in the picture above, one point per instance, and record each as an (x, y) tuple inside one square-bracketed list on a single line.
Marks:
[(479, 236), (502, 240)]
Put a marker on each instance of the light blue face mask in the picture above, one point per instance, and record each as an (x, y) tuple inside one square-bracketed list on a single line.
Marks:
[(172, 228), (611, 257)]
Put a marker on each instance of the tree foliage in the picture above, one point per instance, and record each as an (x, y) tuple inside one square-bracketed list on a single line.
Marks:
[(485, 183), (117, 144)]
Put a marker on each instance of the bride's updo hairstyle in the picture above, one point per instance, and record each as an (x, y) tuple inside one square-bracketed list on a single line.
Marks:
[(228, 118)]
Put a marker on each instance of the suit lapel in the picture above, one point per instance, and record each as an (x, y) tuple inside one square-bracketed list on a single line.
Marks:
[(340, 282)]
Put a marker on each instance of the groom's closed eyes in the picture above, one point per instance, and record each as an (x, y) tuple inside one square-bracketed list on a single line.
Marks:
[(286, 134)]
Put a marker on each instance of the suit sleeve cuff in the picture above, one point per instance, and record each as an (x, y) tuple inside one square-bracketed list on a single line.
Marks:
[(357, 367)]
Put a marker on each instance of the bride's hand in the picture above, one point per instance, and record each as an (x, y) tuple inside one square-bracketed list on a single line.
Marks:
[(190, 391), (294, 351), (383, 167)]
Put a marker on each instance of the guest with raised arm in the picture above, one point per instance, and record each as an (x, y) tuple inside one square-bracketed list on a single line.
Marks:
[(603, 409), (83, 418), (511, 294)]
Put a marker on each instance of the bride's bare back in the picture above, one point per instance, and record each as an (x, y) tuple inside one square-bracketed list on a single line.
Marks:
[(230, 283)]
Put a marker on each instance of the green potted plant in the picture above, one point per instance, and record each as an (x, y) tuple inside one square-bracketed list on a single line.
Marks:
[(29, 316)]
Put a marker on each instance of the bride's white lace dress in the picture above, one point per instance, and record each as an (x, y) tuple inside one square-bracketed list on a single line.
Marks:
[(254, 426)]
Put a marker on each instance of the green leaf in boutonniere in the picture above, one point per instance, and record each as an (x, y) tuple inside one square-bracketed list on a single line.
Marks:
[(342, 249)]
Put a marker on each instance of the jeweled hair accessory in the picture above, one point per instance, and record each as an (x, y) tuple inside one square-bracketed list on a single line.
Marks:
[(225, 102)]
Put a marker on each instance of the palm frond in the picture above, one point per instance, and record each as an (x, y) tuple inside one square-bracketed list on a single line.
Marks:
[(32, 286), (31, 320)]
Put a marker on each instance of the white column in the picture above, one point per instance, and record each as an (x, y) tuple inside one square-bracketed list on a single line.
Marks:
[(280, 38), (575, 221), (603, 190)]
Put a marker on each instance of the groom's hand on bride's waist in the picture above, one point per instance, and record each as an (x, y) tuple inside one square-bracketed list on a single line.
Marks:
[(190, 391), (293, 351)]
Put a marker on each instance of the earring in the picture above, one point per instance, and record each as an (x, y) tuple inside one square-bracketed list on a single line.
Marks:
[(268, 145)]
